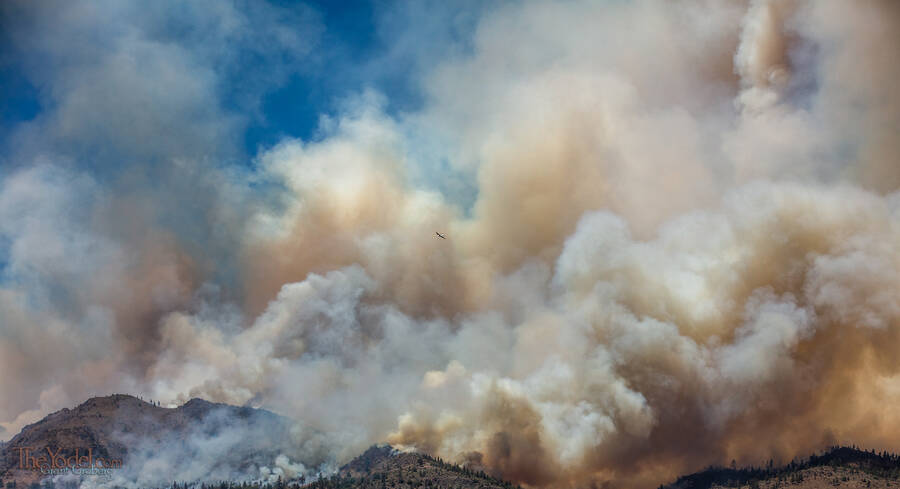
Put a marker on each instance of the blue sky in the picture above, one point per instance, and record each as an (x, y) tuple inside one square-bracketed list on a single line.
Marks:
[(289, 108), (353, 46), (293, 108)]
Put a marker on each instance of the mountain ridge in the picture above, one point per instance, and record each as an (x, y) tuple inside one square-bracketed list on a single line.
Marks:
[(235, 443), (121, 428)]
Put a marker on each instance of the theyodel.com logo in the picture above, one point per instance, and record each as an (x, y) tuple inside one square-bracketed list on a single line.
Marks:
[(76, 461)]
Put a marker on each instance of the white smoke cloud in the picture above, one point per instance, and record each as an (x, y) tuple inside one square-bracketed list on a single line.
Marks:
[(682, 250)]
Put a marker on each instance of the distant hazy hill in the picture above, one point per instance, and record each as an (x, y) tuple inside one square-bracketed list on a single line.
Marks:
[(844, 467), (383, 466), (198, 440)]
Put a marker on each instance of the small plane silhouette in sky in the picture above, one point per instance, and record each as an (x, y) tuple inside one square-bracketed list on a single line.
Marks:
[(439, 235)]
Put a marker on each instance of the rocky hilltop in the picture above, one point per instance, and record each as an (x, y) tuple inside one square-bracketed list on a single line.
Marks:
[(138, 435)]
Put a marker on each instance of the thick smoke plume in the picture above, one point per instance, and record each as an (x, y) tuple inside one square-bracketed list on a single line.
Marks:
[(683, 249)]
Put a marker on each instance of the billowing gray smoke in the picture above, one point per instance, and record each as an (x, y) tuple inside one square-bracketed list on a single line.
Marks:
[(684, 249)]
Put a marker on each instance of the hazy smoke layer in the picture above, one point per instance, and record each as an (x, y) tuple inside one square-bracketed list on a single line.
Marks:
[(684, 248)]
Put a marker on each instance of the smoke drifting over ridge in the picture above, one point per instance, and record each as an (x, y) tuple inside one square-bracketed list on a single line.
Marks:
[(683, 250)]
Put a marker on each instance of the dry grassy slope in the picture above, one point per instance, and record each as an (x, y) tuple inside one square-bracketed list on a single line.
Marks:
[(823, 477), (111, 425), (844, 467)]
